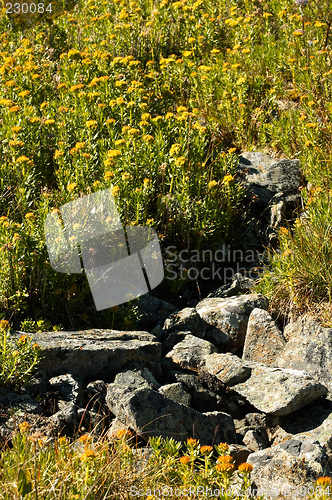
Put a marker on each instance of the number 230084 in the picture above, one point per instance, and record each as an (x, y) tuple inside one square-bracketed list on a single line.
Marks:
[(24, 8)]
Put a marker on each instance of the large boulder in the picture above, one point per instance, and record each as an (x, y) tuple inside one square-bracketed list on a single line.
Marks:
[(279, 391), (309, 348), (229, 317), (263, 177), (96, 353), (264, 341), (150, 413)]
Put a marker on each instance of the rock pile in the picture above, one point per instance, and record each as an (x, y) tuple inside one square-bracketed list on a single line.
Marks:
[(222, 371)]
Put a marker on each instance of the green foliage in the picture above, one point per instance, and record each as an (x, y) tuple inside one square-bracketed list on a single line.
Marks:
[(32, 326), (19, 358), (152, 101)]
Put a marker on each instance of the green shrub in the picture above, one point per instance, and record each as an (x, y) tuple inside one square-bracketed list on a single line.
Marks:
[(19, 358)]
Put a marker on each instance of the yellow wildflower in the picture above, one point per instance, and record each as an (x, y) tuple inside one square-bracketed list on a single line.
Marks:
[(24, 426), (113, 153), (115, 191), (71, 186), (108, 175), (91, 123)]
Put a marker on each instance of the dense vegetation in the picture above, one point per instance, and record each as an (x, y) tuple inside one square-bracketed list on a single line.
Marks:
[(154, 100)]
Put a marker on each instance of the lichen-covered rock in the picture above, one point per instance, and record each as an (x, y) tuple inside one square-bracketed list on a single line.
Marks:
[(136, 379), (190, 353), (264, 341), (176, 392), (265, 176), (96, 353), (150, 413), (288, 469), (229, 317), (228, 368), (185, 320), (280, 391), (309, 348), (256, 439)]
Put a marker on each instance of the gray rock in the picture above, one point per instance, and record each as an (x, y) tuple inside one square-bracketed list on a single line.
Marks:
[(153, 311), (256, 439), (96, 353), (280, 391), (136, 380), (190, 353), (68, 387), (309, 348), (240, 284), (23, 403), (285, 468), (265, 176), (151, 414), (96, 391), (173, 339), (228, 368), (66, 419), (264, 341), (229, 317), (186, 320), (277, 209), (176, 392)]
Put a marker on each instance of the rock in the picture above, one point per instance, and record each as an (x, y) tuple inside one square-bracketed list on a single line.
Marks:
[(66, 419), (280, 391), (277, 209), (190, 353), (208, 392), (68, 387), (240, 284), (96, 353), (239, 453), (136, 379), (264, 341), (152, 311), (149, 413), (309, 348), (229, 317), (289, 468), (176, 392), (97, 391), (228, 368), (23, 403), (256, 439), (173, 339), (265, 176), (186, 320)]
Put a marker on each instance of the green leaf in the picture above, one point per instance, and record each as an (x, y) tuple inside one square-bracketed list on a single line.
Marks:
[(24, 487)]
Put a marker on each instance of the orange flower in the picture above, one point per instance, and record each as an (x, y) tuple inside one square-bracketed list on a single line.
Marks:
[(245, 467), (205, 450), (225, 459), (185, 460), (225, 467)]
